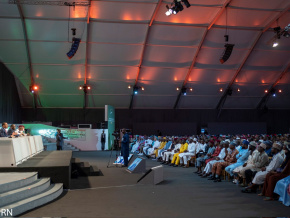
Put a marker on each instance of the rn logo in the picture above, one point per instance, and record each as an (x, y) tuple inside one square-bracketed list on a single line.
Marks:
[(6, 212)]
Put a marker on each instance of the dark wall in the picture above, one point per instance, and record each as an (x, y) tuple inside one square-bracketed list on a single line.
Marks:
[(277, 121), (10, 107)]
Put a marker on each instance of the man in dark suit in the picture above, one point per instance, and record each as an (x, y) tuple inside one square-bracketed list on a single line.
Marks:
[(59, 139), (103, 139), (125, 147), (3, 130), (12, 130)]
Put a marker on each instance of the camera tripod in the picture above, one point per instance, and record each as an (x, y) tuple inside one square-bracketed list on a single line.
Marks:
[(117, 149)]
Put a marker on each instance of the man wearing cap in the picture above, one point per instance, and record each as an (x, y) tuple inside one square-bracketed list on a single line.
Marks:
[(261, 159), (240, 171), (190, 152), (21, 131), (219, 158), (242, 157), (274, 164), (268, 150), (230, 159), (202, 159)]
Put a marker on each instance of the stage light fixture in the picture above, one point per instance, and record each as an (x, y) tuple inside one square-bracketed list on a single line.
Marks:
[(177, 89), (142, 88), (280, 91), (80, 87), (74, 48), (135, 90), (239, 90), (221, 89), (186, 3), (33, 88), (85, 88), (266, 91), (183, 91), (129, 87), (275, 44), (191, 89)]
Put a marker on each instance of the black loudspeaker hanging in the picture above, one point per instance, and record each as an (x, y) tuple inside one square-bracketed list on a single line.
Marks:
[(227, 53)]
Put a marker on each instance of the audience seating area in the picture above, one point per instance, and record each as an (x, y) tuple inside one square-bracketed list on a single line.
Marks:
[(255, 163)]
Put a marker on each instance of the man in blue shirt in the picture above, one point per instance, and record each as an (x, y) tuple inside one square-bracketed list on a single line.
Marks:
[(125, 147)]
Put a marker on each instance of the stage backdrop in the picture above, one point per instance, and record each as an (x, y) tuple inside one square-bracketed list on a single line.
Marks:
[(237, 128), (110, 118), (84, 139)]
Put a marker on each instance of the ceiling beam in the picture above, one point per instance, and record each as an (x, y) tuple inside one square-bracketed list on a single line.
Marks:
[(226, 4), (28, 54), (144, 49), (264, 100), (225, 94), (87, 53)]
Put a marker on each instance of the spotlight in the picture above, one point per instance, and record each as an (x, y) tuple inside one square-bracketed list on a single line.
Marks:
[(227, 53), (239, 90), (273, 92), (275, 44), (142, 89), (191, 89), (129, 87), (135, 90), (221, 89), (183, 90), (280, 91), (33, 88), (178, 7), (74, 48), (266, 91), (186, 3), (85, 88)]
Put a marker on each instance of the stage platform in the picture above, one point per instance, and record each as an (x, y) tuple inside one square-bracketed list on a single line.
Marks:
[(53, 164)]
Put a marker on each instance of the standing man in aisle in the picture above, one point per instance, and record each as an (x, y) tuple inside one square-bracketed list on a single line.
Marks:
[(125, 147), (103, 139), (59, 139)]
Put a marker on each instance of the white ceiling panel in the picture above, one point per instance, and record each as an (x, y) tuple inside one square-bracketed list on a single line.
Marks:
[(163, 56), (241, 103), (246, 18), (206, 89), (285, 79), (114, 54), (241, 38), (208, 58), (198, 102), (11, 29), (13, 52), (163, 74), (8, 10), (211, 76), (56, 12), (166, 102), (271, 60), (59, 72), (261, 4), (117, 101), (100, 73), (118, 33), (159, 88), (192, 15), (175, 35), (62, 100), (121, 11), (58, 86), (45, 30), (263, 77), (55, 53)]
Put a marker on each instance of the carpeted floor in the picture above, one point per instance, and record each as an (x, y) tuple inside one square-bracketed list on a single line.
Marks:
[(182, 194)]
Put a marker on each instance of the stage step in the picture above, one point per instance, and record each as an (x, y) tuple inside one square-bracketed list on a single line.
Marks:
[(95, 171), (84, 168), (24, 192), (11, 181), (30, 203)]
